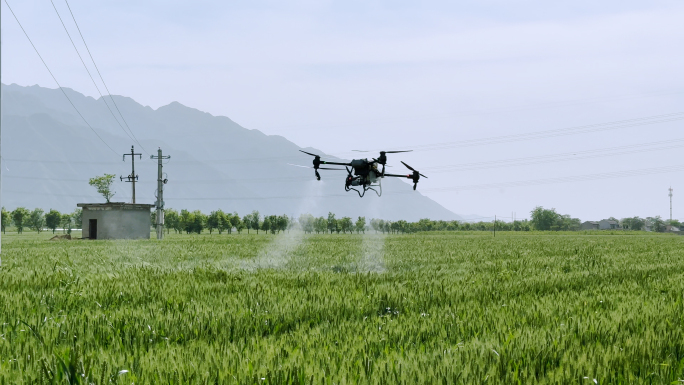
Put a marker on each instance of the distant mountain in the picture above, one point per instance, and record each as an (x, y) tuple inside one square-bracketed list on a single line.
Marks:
[(49, 153)]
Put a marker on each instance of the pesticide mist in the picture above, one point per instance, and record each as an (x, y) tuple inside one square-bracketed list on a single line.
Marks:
[(372, 252), (279, 251)]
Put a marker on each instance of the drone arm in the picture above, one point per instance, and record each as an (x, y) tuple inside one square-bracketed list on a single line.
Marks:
[(415, 177), (336, 163), (408, 176)]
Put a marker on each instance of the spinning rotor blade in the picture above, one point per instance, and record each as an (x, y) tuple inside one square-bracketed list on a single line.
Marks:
[(308, 153), (320, 168), (386, 152), (412, 169)]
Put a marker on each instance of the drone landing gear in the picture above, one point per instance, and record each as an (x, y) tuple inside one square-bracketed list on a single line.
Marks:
[(366, 188)]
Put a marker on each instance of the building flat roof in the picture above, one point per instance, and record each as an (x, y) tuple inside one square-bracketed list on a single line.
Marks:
[(115, 205)]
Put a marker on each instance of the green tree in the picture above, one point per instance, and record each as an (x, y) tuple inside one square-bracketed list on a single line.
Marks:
[(103, 184), (185, 218), (198, 222), (53, 219), (78, 217), (6, 219), (37, 220), (255, 221), (332, 222), (306, 222), (657, 224), (266, 224), (346, 224), (320, 225), (247, 220), (360, 225), (543, 219), (634, 223), (171, 220), (225, 223), (283, 222), (65, 222), (20, 217), (238, 223), (213, 220)]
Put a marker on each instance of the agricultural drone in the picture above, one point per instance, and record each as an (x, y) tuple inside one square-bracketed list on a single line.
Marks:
[(365, 172)]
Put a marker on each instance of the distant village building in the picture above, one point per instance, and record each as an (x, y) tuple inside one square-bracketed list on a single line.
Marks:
[(604, 224), (589, 225), (116, 220)]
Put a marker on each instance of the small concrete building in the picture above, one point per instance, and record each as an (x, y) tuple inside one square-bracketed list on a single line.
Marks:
[(606, 224), (116, 220), (589, 225)]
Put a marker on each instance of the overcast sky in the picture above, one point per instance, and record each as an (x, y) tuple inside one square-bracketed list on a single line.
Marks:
[(343, 75)]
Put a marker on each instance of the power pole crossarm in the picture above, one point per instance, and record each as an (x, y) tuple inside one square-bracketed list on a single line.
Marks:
[(161, 181), (131, 178)]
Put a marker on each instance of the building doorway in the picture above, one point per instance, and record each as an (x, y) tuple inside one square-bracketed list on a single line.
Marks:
[(92, 229)]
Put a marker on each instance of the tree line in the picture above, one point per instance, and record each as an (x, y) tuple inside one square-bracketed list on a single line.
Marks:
[(188, 222), (38, 219)]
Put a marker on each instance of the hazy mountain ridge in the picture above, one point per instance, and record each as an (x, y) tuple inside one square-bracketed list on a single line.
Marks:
[(49, 153)]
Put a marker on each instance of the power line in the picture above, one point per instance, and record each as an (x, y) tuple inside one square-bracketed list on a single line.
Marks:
[(560, 103), (474, 142), (635, 122), (101, 78), (55, 79), (561, 157), (90, 75), (522, 183), (500, 163)]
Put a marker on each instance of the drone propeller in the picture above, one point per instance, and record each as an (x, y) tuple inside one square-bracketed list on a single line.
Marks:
[(385, 152), (412, 169), (416, 175), (319, 168), (316, 163), (308, 153)]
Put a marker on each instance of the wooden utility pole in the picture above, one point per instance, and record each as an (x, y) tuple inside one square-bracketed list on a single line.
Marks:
[(131, 178)]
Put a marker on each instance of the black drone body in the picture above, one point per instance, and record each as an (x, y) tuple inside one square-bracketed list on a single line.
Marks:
[(365, 174)]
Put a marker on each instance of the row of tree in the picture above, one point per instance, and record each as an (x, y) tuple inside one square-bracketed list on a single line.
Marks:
[(38, 219), (195, 222)]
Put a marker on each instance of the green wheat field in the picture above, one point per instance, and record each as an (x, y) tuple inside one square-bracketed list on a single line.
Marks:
[(442, 308)]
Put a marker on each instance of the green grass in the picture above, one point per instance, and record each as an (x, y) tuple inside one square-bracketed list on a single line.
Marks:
[(435, 308)]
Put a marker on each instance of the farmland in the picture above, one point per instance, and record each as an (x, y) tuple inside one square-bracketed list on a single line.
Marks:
[(433, 307)]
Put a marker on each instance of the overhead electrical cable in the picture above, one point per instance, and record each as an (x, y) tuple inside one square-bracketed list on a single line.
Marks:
[(55, 79), (523, 183), (483, 141), (102, 78), (562, 157), (488, 186), (499, 163), (131, 136), (561, 103), (550, 133)]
